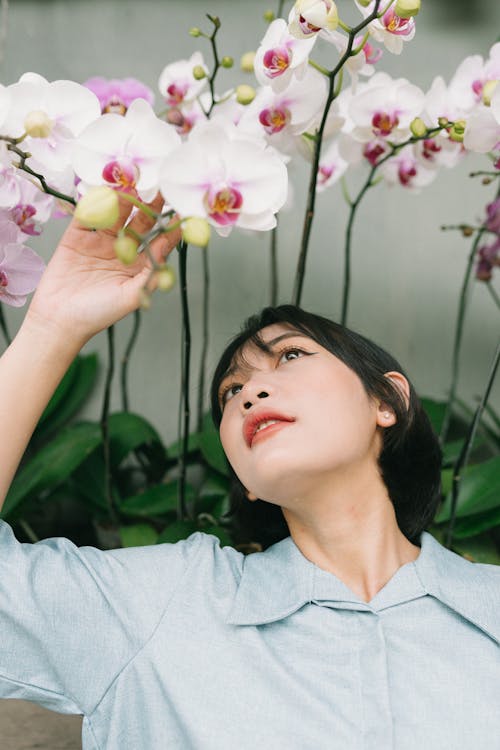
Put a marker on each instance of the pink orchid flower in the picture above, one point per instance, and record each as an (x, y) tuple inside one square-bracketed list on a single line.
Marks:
[(20, 267), (117, 94)]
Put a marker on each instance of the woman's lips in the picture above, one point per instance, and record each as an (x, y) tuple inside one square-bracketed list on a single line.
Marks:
[(268, 431), (252, 422)]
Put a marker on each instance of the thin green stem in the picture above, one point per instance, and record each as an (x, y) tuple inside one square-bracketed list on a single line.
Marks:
[(28, 531), (108, 479), (281, 3), (126, 359), (186, 356), (463, 458), (311, 200), (496, 298), (205, 334), (274, 265), (3, 326), (319, 68), (459, 327), (211, 80), (142, 206)]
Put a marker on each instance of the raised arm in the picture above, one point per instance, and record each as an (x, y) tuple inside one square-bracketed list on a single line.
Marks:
[(84, 289)]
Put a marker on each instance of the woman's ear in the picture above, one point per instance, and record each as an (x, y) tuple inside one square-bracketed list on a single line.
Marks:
[(385, 413)]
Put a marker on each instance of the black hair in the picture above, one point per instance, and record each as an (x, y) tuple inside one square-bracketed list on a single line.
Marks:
[(410, 459)]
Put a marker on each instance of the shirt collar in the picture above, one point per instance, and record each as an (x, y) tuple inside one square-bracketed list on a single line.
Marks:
[(279, 581)]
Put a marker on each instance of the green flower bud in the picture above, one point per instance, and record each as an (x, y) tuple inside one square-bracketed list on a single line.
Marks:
[(269, 16), (364, 3), (165, 278), (38, 124), (98, 208), (245, 94), (457, 130), (407, 8), (144, 299), (488, 89), (195, 31), (196, 231), (418, 127), (247, 61), (443, 122), (199, 72), (125, 248), (227, 61)]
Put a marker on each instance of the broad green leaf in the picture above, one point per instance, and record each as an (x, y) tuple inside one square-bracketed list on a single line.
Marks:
[(451, 450), (479, 490), (176, 531), (174, 449), (156, 501), (138, 535), (71, 398), (52, 465), (212, 494), (129, 431), (435, 410), (480, 548), (89, 481), (211, 447), (476, 524)]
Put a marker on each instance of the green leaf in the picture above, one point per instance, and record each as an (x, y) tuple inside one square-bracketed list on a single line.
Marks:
[(138, 535), (212, 494), (70, 395), (479, 490), (174, 449), (476, 524), (480, 548), (176, 531), (129, 431), (156, 501), (52, 465), (89, 483), (211, 447), (435, 410)]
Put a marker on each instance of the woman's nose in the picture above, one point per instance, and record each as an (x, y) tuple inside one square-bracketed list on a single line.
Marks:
[(254, 398)]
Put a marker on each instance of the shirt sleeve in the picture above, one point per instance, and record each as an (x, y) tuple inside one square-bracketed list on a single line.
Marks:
[(72, 617)]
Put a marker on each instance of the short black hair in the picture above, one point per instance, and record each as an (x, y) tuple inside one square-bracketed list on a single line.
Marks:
[(410, 459)]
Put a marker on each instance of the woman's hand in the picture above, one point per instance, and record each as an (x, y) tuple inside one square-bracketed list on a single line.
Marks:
[(85, 288)]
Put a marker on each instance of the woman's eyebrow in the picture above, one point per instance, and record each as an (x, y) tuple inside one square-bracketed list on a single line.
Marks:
[(236, 368)]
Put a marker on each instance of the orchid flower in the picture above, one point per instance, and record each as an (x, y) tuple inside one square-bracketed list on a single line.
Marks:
[(20, 267), (117, 94), (225, 176), (124, 152), (178, 85), (281, 56), (391, 30), (29, 208)]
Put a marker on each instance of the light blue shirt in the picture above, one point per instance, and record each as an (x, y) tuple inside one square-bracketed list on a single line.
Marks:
[(195, 647)]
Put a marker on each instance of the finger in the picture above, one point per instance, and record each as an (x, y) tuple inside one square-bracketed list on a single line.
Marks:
[(141, 222)]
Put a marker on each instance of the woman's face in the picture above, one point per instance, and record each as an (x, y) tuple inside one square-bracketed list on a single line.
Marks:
[(295, 417)]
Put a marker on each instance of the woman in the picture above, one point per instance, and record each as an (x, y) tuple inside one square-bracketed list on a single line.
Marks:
[(355, 629)]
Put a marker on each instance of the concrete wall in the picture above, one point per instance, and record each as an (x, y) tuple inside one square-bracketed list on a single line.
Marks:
[(406, 272)]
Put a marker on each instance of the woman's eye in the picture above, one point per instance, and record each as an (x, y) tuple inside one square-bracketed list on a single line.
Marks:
[(230, 391), (291, 354)]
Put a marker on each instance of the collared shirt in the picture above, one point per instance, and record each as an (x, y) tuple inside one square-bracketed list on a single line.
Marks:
[(195, 647)]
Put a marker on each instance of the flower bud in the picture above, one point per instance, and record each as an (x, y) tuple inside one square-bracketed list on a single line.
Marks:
[(126, 249), (227, 61), (98, 208), (269, 16), (245, 94), (195, 31), (165, 278), (443, 122), (364, 3), (406, 8), (38, 124), (457, 130), (418, 127), (196, 231), (199, 72), (467, 231), (247, 62), (488, 89)]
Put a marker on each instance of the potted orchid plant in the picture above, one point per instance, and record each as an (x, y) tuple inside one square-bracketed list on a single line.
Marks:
[(220, 158)]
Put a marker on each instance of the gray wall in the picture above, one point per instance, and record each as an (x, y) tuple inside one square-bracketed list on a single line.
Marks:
[(406, 272)]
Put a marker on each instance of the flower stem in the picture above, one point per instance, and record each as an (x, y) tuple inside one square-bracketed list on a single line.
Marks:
[(126, 359), (211, 80), (108, 481), (281, 3), (205, 332), (311, 199), (23, 155), (142, 206), (274, 265), (3, 326), (457, 345), (463, 458), (186, 354)]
